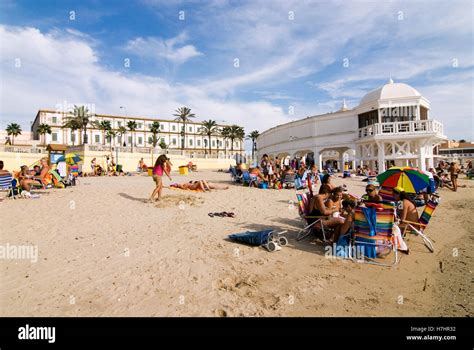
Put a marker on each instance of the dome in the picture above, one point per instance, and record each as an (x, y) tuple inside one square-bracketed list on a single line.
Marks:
[(389, 91)]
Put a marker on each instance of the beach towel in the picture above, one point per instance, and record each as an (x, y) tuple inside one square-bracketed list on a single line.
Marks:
[(398, 239)]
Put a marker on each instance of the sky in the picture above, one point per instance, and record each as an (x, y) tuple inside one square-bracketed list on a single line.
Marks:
[(255, 63)]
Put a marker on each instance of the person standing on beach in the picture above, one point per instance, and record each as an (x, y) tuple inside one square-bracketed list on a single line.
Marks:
[(158, 170), (454, 172)]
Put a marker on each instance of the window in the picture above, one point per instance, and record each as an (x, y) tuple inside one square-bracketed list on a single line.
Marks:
[(227, 144), (198, 143), (191, 143), (173, 128), (119, 124), (55, 120), (54, 137), (162, 140), (73, 138), (140, 140), (162, 127), (139, 125), (150, 140), (97, 138), (213, 143), (119, 139), (190, 129), (129, 140), (205, 142), (174, 142)]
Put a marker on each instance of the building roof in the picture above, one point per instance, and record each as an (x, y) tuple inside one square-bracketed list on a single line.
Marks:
[(389, 91)]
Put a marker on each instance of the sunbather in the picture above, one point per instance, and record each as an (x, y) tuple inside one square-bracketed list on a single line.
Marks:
[(326, 180), (26, 180), (335, 199), (407, 210), (193, 186), (372, 194), (3, 172)]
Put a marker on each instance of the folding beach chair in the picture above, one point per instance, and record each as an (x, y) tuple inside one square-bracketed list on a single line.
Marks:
[(419, 227), (6, 184), (304, 200), (249, 179), (373, 234)]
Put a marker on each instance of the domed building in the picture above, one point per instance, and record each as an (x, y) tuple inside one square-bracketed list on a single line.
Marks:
[(390, 126)]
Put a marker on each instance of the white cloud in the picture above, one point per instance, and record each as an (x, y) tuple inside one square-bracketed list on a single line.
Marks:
[(170, 49)]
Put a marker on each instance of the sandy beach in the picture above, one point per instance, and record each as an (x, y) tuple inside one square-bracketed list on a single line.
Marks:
[(103, 250)]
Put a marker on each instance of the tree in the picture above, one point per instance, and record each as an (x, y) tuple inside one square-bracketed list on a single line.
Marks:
[(110, 136), (183, 115), (235, 133), (104, 126), (209, 128), (132, 126), (225, 132), (82, 116), (73, 124), (121, 131), (14, 130), (462, 141), (155, 129), (44, 129), (163, 144), (253, 136)]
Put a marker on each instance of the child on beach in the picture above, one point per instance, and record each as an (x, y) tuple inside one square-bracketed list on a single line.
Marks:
[(158, 170)]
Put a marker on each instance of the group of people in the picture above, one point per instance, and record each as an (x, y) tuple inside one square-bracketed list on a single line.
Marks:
[(108, 169), (446, 174)]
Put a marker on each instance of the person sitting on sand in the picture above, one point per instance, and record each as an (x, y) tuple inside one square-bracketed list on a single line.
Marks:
[(372, 194), (258, 173), (348, 213), (407, 209), (25, 179)]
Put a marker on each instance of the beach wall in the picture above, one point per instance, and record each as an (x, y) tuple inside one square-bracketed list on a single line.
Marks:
[(129, 161), (13, 161)]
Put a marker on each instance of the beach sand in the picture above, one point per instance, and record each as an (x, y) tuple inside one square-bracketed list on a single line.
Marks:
[(103, 250)]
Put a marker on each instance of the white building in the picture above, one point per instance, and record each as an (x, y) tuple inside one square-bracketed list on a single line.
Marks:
[(170, 133), (391, 125)]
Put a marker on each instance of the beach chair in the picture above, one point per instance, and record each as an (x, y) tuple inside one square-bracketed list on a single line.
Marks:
[(386, 194), (311, 222), (289, 180), (249, 179), (419, 227), (58, 181), (373, 235), (6, 184)]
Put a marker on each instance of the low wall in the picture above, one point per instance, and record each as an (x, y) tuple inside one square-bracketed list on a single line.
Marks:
[(129, 161)]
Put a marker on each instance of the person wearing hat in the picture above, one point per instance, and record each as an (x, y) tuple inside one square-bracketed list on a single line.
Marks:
[(407, 209)]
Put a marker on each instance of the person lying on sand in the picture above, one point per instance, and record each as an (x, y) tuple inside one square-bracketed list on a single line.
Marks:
[(193, 186)]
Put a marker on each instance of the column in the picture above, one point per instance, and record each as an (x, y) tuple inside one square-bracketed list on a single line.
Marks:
[(318, 159), (421, 155), (381, 156)]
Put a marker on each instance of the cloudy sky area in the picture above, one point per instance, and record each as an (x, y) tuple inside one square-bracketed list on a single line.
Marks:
[(291, 54)]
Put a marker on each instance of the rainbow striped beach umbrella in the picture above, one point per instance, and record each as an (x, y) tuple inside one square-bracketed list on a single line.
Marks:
[(410, 179)]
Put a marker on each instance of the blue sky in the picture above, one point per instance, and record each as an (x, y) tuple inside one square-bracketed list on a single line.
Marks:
[(291, 56)]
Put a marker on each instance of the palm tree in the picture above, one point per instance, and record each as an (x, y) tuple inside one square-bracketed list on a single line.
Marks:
[(235, 133), (132, 126), (14, 130), (155, 129), (110, 136), (44, 129), (104, 126), (71, 123), (253, 136), (225, 132), (121, 131), (82, 115), (209, 128), (183, 115)]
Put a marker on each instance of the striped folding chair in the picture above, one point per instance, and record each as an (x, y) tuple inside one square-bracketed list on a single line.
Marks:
[(419, 227), (6, 184), (373, 234), (386, 194), (304, 200)]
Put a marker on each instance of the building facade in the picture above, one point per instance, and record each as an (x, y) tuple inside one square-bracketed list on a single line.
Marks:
[(461, 152), (391, 125), (171, 133)]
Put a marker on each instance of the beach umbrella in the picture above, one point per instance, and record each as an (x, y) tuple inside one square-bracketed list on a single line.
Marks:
[(70, 158), (410, 179)]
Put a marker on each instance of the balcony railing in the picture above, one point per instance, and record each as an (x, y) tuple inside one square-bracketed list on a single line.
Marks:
[(402, 128)]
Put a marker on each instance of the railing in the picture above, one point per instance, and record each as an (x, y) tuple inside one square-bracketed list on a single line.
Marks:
[(396, 128), (22, 149)]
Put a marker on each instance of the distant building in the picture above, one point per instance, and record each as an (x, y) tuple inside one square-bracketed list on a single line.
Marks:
[(170, 133), (456, 151), (391, 125)]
